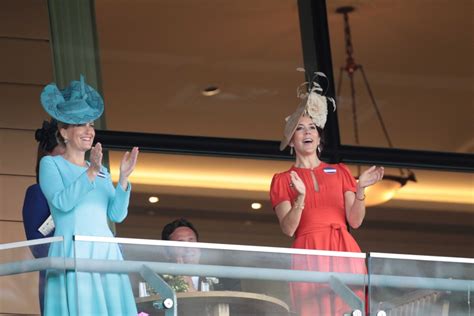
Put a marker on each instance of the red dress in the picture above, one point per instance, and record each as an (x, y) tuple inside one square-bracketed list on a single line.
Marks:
[(322, 227)]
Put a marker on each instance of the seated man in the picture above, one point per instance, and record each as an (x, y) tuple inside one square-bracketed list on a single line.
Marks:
[(183, 230)]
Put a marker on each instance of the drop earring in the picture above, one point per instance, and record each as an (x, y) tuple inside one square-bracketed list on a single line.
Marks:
[(291, 150)]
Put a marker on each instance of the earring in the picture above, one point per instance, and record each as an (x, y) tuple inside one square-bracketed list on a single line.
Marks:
[(66, 141), (291, 150), (318, 149)]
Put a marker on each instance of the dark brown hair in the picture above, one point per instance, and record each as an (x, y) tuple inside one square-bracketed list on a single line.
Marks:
[(47, 141), (321, 141)]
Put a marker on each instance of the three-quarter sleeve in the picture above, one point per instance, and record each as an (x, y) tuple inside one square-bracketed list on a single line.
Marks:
[(61, 197), (280, 190), (348, 181)]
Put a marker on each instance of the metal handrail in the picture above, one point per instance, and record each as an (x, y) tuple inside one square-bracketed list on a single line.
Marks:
[(129, 266)]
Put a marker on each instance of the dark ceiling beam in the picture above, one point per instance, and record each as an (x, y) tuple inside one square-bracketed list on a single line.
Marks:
[(396, 157), (193, 145), (261, 149)]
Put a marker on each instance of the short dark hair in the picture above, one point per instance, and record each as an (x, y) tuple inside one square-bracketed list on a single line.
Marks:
[(171, 227)]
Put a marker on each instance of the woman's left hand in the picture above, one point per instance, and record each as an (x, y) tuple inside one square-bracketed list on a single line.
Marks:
[(371, 176), (127, 166)]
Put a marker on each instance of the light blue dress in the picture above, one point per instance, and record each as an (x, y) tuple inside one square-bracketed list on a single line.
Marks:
[(81, 207)]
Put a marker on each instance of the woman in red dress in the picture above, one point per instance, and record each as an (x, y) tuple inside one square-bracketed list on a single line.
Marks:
[(313, 201)]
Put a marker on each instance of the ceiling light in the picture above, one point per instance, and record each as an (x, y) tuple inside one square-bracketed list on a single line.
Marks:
[(153, 199), (210, 91), (386, 189), (256, 206)]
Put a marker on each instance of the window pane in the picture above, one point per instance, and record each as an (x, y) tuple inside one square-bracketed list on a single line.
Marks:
[(158, 56), (417, 57)]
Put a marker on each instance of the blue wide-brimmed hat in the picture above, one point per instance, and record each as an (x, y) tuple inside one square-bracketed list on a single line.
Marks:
[(77, 104)]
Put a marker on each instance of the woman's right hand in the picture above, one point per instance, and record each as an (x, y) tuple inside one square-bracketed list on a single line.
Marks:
[(95, 161), (289, 213), (297, 183)]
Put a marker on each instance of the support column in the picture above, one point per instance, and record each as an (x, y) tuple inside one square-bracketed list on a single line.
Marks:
[(74, 44)]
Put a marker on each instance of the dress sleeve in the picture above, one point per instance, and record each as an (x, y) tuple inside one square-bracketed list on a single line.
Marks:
[(62, 198), (117, 209), (280, 189), (348, 181)]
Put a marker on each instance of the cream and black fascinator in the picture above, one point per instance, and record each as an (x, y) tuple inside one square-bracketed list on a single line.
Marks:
[(314, 104)]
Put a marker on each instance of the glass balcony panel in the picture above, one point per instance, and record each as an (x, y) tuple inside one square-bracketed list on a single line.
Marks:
[(246, 280), (420, 285), (24, 267)]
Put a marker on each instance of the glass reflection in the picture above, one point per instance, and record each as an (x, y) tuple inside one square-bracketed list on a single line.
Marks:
[(205, 68), (414, 82)]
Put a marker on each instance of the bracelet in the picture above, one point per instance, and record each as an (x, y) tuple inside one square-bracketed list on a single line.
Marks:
[(360, 199), (298, 206)]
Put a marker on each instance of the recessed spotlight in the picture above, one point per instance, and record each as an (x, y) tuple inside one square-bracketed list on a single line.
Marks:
[(210, 91), (153, 199), (256, 206)]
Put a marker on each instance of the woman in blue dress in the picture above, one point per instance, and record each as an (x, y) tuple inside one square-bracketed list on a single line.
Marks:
[(81, 198)]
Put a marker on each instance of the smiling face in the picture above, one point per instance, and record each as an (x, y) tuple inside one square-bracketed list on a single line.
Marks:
[(306, 137), (79, 137)]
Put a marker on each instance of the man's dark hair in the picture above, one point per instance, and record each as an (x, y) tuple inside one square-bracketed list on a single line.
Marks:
[(171, 227)]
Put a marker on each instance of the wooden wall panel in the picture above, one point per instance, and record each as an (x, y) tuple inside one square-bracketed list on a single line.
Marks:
[(12, 193), (24, 18), (11, 232), (18, 152), (25, 61), (26, 65), (19, 292), (20, 106)]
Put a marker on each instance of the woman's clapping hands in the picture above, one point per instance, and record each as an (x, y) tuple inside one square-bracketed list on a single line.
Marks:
[(127, 166), (371, 176)]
